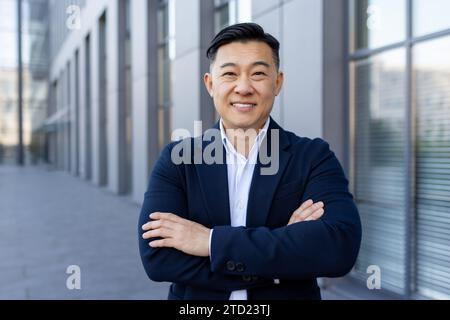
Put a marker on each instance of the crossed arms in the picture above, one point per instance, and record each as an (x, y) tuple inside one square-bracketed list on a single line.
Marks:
[(175, 249)]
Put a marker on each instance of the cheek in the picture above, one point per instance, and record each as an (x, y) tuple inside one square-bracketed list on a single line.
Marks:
[(266, 91), (222, 92)]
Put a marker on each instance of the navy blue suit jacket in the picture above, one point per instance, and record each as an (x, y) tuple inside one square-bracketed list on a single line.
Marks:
[(251, 257)]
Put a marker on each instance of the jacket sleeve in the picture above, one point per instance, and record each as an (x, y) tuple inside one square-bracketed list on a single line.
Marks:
[(166, 193), (327, 247)]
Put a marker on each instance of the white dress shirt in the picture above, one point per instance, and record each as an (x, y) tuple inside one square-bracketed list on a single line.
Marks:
[(240, 172)]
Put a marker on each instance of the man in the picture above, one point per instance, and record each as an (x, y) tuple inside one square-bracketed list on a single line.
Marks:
[(229, 231)]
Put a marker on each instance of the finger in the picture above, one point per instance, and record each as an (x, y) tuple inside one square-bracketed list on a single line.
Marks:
[(307, 211), (297, 212), (316, 215), (168, 243), (294, 218), (306, 204), (303, 206), (291, 220), (158, 233), (308, 215), (155, 224), (310, 210), (166, 216)]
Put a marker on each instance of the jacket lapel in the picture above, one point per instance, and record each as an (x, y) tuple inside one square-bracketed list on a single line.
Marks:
[(263, 187), (213, 180)]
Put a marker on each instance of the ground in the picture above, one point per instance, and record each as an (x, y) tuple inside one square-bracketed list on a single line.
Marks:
[(50, 220)]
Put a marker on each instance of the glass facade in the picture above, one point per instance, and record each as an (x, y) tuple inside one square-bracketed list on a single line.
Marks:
[(76, 116), (429, 17), (379, 83), (222, 13), (34, 78), (164, 72), (87, 111), (228, 12), (8, 81), (400, 110), (128, 101), (103, 97), (377, 23), (431, 85)]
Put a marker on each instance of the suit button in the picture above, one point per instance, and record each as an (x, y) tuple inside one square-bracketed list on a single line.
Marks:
[(240, 267), (247, 278), (231, 266)]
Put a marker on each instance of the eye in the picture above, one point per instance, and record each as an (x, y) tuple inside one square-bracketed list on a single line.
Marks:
[(259, 73), (228, 74)]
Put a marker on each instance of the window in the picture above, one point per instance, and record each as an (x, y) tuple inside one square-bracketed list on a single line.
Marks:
[(129, 100), (68, 127), (429, 17), (33, 62), (125, 99), (165, 36), (379, 83), (87, 112), (377, 23), (76, 97), (103, 117), (432, 101), (228, 12), (221, 14), (400, 107)]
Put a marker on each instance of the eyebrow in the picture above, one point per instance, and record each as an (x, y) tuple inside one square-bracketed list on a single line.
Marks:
[(257, 63)]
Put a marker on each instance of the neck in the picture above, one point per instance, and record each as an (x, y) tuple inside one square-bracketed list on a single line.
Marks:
[(242, 139)]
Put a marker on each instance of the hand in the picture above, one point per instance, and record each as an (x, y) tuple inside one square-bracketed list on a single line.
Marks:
[(307, 211), (182, 234)]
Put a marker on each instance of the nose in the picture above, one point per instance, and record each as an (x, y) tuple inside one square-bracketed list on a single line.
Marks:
[(244, 87)]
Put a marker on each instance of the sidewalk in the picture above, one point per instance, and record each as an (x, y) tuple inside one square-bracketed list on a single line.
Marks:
[(50, 220)]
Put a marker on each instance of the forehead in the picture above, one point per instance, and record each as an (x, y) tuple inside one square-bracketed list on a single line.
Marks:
[(243, 53)]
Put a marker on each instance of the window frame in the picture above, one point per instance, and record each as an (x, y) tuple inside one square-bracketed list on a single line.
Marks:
[(354, 55)]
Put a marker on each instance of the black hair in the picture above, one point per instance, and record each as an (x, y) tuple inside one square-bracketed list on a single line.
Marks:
[(243, 32)]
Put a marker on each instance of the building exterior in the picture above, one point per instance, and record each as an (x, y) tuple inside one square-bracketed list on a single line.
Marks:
[(372, 77), (33, 64)]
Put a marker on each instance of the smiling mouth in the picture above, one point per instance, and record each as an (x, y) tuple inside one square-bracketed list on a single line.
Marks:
[(243, 106)]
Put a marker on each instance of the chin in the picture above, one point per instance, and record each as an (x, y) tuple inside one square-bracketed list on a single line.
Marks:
[(244, 123)]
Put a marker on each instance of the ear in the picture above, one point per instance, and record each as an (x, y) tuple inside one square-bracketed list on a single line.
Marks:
[(207, 79), (279, 82)]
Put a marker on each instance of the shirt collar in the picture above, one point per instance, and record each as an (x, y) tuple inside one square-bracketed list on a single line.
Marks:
[(229, 146)]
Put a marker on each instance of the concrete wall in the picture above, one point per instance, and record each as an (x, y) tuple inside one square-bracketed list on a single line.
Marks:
[(186, 65), (144, 95)]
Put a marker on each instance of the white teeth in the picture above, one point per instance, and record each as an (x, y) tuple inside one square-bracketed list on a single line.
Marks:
[(242, 105)]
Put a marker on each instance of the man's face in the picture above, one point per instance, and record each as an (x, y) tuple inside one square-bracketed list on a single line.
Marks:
[(244, 82)]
